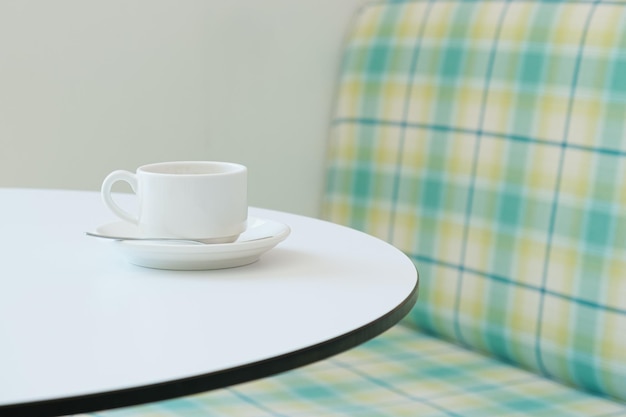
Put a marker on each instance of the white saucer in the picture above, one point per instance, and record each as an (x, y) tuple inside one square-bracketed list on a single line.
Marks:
[(259, 237)]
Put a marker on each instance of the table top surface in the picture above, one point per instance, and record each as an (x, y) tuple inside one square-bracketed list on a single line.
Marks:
[(83, 329)]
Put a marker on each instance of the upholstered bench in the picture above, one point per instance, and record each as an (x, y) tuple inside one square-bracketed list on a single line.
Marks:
[(487, 140)]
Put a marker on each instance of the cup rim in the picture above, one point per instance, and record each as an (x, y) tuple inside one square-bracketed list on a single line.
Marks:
[(223, 168)]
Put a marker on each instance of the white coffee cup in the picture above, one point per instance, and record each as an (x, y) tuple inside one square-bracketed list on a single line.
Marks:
[(197, 200)]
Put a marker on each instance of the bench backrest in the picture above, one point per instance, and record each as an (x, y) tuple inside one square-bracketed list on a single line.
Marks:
[(487, 140)]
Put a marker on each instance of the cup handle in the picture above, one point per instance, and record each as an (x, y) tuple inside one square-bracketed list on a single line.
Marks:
[(108, 182)]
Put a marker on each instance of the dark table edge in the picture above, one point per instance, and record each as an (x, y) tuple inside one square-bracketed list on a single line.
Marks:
[(214, 380)]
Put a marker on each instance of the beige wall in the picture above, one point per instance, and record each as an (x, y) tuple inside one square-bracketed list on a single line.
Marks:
[(87, 87)]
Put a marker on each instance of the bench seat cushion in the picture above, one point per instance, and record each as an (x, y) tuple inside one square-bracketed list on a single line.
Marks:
[(487, 140), (401, 373)]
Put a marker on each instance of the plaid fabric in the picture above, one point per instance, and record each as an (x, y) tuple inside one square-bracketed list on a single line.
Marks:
[(486, 139), (402, 373)]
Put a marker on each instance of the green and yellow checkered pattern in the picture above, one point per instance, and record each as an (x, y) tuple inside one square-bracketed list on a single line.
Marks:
[(400, 374), (487, 140)]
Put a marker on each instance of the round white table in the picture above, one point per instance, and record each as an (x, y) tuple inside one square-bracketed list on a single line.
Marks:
[(82, 329)]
